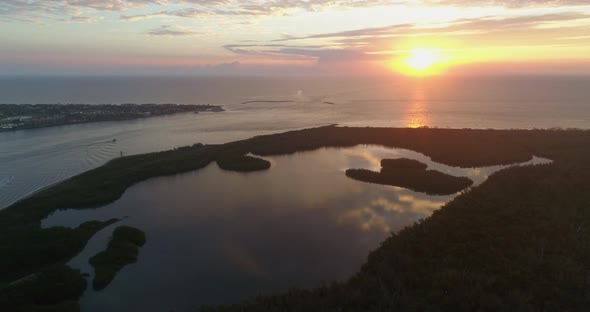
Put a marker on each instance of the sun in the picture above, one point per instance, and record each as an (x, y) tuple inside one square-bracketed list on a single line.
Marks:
[(422, 61)]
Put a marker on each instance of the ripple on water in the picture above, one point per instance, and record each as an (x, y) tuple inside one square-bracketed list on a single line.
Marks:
[(48, 167)]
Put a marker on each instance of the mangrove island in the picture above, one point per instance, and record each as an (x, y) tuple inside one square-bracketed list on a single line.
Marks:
[(411, 174), (122, 250)]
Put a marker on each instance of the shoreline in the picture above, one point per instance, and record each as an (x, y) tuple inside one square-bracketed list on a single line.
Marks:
[(105, 184), (178, 109)]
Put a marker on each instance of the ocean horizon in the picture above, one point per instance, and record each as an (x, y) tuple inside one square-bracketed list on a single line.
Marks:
[(33, 159)]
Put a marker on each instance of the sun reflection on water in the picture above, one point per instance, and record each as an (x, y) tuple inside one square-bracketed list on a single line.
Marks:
[(416, 115)]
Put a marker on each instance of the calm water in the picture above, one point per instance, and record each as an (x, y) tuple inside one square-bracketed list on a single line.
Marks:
[(33, 159), (219, 237)]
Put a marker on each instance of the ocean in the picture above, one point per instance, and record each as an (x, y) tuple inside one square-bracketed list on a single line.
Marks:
[(33, 159)]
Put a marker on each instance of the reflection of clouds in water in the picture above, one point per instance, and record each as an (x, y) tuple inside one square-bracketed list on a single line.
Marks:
[(392, 211), (411, 203), (395, 208), (366, 218), (369, 157), (311, 178), (364, 158)]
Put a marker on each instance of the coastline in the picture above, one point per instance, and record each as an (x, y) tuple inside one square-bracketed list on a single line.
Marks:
[(194, 109), (471, 148)]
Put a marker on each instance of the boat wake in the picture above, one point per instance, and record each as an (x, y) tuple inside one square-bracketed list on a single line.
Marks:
[(4, 181)]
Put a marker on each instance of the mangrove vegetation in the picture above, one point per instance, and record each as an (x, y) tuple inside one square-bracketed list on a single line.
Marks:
[(122, 250), (520, 240), (56, 288), (411, 174), (242, 163)]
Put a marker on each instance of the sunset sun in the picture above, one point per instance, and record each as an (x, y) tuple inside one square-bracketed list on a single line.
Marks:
[(422, 61)]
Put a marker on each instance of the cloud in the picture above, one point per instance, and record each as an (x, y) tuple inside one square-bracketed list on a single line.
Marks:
[(510, 3), (35, 9), (374, 44), (171, 31), (189, 8), (321, 54), (82, 19), (486, 24)]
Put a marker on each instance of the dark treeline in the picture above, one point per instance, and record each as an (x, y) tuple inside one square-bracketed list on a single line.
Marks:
[(242, 163), (518, 242), (460, 148), (55, 288), (430, 182), (122, 250), (411, 174), (519, 213)]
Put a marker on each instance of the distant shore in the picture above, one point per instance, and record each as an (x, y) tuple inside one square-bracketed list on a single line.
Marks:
[(278, 101), (32, 116)]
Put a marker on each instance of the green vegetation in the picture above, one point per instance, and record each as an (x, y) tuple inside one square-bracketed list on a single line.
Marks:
[(57, 288), (402, 163), (122, 250), (411, 174), (242, 163), (479, 252)]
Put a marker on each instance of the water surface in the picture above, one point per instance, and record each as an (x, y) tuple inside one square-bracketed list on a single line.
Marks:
[(220, 237), (33, 159)]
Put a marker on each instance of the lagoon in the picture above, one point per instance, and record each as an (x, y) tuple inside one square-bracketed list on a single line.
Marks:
[(215, 236)]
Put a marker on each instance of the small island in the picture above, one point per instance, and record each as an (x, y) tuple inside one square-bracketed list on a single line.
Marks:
[(121, 251), (242, 163), (29, 116), (411, 174)]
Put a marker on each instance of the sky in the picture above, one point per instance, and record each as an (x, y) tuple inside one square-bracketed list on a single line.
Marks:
[(298, 37)]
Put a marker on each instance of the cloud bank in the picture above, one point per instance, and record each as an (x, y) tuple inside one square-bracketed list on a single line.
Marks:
[(31, 9)]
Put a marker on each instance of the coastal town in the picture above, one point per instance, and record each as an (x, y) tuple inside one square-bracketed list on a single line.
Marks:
[(28, 116)]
